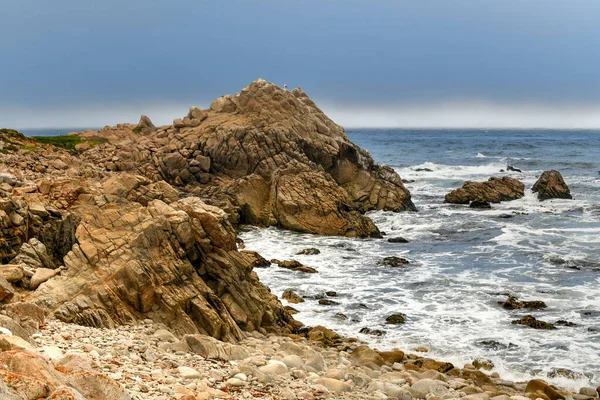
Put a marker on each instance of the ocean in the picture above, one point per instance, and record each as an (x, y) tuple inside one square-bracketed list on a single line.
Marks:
[(464, 261)]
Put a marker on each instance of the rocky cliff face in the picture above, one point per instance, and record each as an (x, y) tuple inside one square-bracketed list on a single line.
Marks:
[(267, 156)]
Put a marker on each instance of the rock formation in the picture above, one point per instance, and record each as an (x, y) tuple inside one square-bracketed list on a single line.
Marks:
[(551, 185), (493, 190), (267, 157)]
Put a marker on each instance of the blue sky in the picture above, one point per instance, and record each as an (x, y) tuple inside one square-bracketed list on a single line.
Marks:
[(379, 63)]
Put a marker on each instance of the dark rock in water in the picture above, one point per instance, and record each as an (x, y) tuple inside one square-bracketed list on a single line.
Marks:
[(395, 319), (590, 313), (512, 303), (341, 316), (292, 297), (511, 168), (495, 345), (408, 181), (562, 322), (551, 185), (480, 204), (397, 240), (494, 190), (423, 170), (502, 170), (294, 266), (326, 302), (257, 260), (565, 373), (331, 293), (530, 321), (372, 332), (393, 261), (309, 252), (383, 233), (240, 243), (505, 216)]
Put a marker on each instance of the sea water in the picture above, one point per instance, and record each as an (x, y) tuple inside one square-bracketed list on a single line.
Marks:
[(464, 261)]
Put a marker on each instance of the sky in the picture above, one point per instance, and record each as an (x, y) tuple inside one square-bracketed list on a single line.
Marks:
[(380, 63)]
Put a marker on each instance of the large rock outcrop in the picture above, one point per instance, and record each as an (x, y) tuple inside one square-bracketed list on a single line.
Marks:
[(267, 156), (551, 185), (493, 190), (176, 264)]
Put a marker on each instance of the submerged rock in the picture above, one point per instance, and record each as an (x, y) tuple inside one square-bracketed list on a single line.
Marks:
[(393, 261), (309, 252), (551, 185), (395, 319), (494, 190), (480, 204), (397, 240)]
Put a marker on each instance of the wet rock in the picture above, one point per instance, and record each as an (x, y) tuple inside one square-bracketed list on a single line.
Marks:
[(393, 261), (562, 322), (513, 303), (511, 168), (483, 364), (295, 266), (530, 321), (480, 204), (537, 386), (392, 356), (327, 302), (397, 240), (423, 170), (309, 252), (292, 297), (395, 319), (331, 293), (505, 216), (493, 190), (551, 185), (321, 334), (588, 391), (372, 332)]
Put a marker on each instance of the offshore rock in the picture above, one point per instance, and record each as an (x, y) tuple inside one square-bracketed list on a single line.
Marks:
[(551, 185), (493, 190)]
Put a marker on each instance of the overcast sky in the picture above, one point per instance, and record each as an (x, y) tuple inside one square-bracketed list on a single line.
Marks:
[(366, 63)]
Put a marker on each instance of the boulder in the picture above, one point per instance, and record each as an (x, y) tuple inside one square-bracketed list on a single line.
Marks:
[(538, 386), (309, 252), (551, 185), (40, 276), (145, 125), (395, 319), (494, 190), (12, 272), (397, 240), (34, 254), (423, 387), (365, 356)]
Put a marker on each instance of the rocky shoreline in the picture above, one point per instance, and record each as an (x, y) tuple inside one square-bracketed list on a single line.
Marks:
[(122, 276)]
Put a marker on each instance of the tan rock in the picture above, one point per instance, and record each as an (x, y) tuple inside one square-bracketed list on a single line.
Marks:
[(12, 272), (40, 276), (551, 185), (493, 190), (6, 290), (538, 386)]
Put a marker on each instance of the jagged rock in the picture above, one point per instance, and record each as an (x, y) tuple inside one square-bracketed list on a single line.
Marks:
[(176, 264), (530, 321), (256, 260), (34, 255), (551, 185), (493, 190), (145, 125), (295, 266)]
